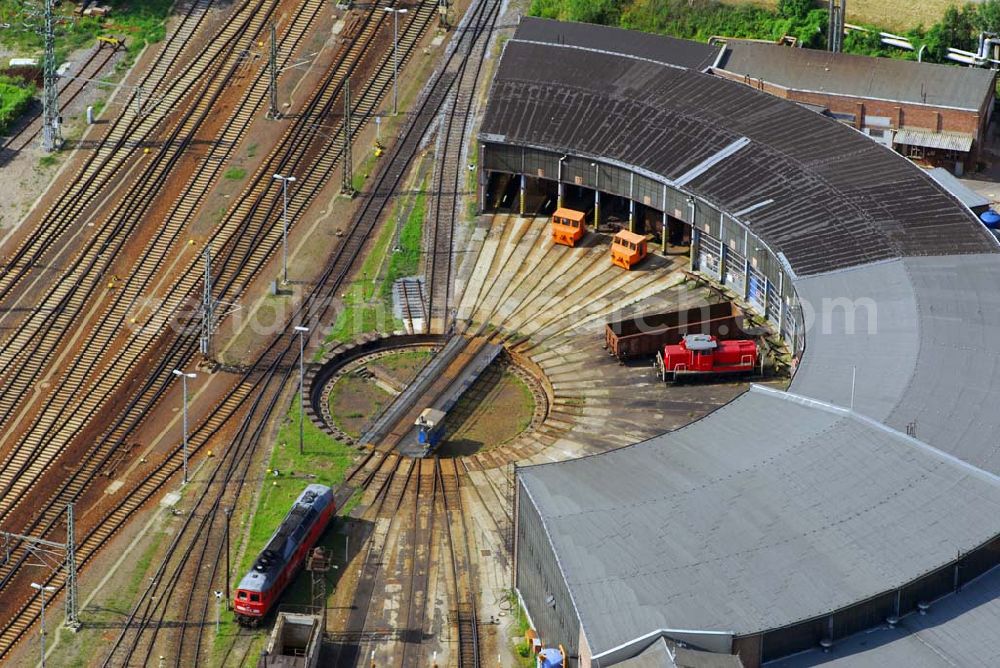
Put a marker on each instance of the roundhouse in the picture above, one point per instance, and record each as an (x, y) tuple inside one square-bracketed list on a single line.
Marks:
[(787, 520)]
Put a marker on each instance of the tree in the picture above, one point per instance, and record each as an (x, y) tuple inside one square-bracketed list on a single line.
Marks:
[(796, 9), (957, 29), (604, 12), (989, 16)]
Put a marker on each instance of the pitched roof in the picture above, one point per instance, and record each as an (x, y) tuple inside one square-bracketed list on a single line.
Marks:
[(861, 76)]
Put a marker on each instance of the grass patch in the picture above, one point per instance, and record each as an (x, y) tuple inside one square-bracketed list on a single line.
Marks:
[(365, 308), (324, 459), (522, 650), (251, 150), (48, 160), (235, 173), (15, 96), (361, 175), (407, 261), (138, 22)]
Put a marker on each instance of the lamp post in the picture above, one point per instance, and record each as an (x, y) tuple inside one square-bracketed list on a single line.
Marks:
[(395, 55), (41, 590), (229, 599), (218, 609), (184, 443), (302, 382), (559, 184), (285, 180), (597, 195)]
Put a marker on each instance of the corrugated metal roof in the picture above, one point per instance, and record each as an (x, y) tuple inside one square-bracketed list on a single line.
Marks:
[(839, 198), (658, 48), (952, 141), (861, 76), (762, 514)]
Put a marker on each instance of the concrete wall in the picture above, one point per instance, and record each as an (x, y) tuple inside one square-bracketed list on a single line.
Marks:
[(538, 577)]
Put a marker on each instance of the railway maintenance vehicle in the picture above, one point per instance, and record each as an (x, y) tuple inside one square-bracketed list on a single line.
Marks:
[(628, 249), (702, 355), (568, 226)]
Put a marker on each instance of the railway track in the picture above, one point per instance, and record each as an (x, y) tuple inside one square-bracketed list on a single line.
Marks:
[(464, 603), (66, 412), (448, 179), (317, 306), (119, 145)]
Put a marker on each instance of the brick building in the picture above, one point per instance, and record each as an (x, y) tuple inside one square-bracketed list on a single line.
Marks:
[(939, 114)]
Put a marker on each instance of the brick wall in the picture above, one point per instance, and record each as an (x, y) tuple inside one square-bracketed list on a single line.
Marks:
[(901, 114)]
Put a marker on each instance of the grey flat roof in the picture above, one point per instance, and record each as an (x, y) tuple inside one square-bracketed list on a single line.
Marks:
[(839, 198), (933, 359), (659, 48), (662, 654), (960, 630), (964, 193), (860, 76), (762, 514)]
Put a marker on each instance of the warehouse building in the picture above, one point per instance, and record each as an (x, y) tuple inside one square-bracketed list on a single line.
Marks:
[(786, 521), (939, 114)]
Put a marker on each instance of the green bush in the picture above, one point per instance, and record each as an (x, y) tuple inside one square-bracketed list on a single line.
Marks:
[(804, 19), (15, 96)]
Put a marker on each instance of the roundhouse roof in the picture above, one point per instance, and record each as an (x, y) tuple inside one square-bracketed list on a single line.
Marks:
[(834, 197), (779, 507)]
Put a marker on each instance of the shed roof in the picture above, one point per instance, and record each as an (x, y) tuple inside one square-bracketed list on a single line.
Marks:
[(775, 509), (949, 141), (861, 76), (764, 513)]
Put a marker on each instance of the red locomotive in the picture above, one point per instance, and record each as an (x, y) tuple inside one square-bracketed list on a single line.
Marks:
[(278, 563), (704, 355)]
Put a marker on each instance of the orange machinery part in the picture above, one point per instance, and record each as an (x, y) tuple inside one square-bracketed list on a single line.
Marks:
[(568, 226), (627, 249)]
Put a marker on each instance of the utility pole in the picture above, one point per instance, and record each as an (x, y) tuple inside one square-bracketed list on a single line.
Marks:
[(72, 610), (207, 307), (273, 112), (443, 13), (302, 382), (285, 180), (395, 56), (835, 29), (317, 564), (229, 599), (41, 590), (51, 133), (347, 184), (44, 551)]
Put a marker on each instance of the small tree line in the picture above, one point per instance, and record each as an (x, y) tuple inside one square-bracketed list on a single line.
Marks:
[(806, 20)]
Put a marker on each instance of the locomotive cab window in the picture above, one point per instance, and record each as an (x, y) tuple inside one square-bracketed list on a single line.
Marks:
[(255, 598), (241, 595)]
